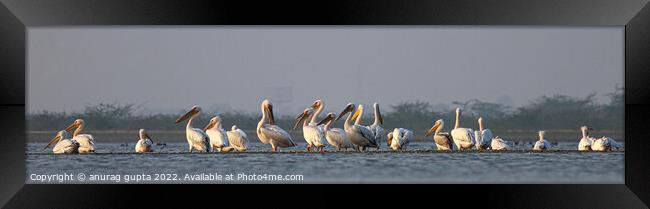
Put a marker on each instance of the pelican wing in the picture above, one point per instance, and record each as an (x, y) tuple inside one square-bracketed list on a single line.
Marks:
[(65, 146), (486, 137), (276, 133), (443, 141), (407, 137), (199, 138), (366, 133), (238, 139)]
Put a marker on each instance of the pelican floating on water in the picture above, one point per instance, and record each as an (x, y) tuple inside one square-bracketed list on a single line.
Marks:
[(376, 127), (442, 139), (86, 141), (197, 139), (605, 144), (483, 136), (216, 134), (145, 142), (314, 136), (399, 138), (541, 144), (359, 135), (499, 144), (463, 137), (64, 145), (586, 140), (268, 132), (238, 139), (335, 136)]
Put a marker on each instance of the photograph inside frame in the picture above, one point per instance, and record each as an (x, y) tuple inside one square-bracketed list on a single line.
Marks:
[(247, 104)]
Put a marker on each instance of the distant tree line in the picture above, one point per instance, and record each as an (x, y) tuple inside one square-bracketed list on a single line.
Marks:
[(546, 112)]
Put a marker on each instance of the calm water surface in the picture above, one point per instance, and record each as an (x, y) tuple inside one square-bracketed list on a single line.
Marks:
[(419, 164)]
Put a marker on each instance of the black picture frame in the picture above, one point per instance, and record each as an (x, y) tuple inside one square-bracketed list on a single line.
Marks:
[(17, 15)]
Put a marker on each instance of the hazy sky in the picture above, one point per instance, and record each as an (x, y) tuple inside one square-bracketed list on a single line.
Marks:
[(172, 68)]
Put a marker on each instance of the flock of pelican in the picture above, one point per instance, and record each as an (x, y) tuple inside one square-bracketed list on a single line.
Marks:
[(319, 134)]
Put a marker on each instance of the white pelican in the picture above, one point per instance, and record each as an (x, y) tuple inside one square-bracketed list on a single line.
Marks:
[(376, 127), (499, 144), (600, 144), (463, 137), (145, 142), (399, 138), (64, 145), (335, 136), (86, 141), (271, 133), (442, 139), (216, 134), (586, 140), (237, 138), (605, 144), (483, 136), (359, 135), (196, 138), (313, 135), (541, 144), (357, 121)]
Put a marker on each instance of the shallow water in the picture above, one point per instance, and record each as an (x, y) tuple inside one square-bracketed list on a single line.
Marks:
[(418, 164)]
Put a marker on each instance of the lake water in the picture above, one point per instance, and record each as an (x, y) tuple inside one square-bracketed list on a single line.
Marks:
[(419, 163)]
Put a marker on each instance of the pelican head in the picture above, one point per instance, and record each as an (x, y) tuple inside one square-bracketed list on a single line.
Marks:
[(59, 136), (193, 112), (328, 118), (348, 108), (458, 111), (436, 127), (304, 115), (213, 122), (317, 104), (586, 128), (143, 134), (267, 107), (234, 127), (74, 125)]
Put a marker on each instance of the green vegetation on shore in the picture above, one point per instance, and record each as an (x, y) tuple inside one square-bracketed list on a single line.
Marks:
[(546, 112)]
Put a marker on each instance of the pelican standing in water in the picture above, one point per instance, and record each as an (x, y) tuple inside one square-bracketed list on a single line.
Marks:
[(86, 141), (63, 145), (399, 138), (145, 142), (335, 136), (197, 139), (268, 132), (463, 137), (483, 136), (586, 140), (541, 144), (359, 135), (376, 127), (442, 139), (237, 138), (357, 121), (216, 134), (313, 135)]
